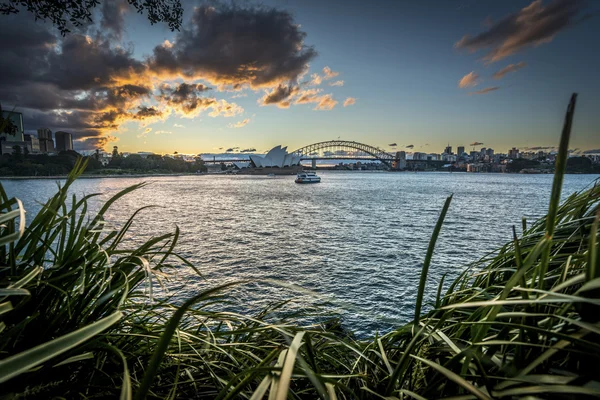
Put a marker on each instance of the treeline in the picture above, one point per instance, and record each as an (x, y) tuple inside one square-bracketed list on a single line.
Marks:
[(575, 165), (19, 164)]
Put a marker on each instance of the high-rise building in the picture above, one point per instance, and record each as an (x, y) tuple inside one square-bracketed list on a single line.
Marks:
[(400, 162), (460, 150), (13, 132), (489, 152), (64, 141), (33, 143), (46, 142), (513, 153), (448, 149)]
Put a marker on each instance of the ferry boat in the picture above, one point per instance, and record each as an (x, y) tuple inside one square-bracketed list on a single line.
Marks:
[(307, 177)]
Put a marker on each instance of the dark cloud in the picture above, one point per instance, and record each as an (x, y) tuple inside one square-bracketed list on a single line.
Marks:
[(261, 47), (476, 144), (248, 150), (486, 90), (392, 145), (530, 26), (279, 95), (508, 69), (410, 146), (232, 149), (113, 17), (187, 101), (147, 112)]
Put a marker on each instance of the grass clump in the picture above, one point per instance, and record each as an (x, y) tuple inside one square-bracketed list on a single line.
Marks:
[(78, 319)]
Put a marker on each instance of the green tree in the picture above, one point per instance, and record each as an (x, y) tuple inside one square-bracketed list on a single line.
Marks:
[(6, 125), (79, 12)]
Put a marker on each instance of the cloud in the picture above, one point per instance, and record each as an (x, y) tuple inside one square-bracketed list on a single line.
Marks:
[(349, 101), (113, 17), (336, 83), (240, 124), (235, 96), (468, 80), (144, 133), (410, 146), (89, 84), (508, 69), (230, 45), (476, 144), (315, 79), (486, 90), (231, 149), (323, 102), (186, 100), (531, 26), (163, 133), (279, 96), (392, 145), (248, 150), (329, 74)]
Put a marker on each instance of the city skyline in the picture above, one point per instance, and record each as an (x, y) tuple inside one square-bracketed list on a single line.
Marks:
[(414, 75)]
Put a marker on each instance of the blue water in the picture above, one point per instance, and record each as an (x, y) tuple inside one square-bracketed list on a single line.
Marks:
[(354, 243)]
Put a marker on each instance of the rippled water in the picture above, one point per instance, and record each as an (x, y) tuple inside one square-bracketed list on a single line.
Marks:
[(356, 241)]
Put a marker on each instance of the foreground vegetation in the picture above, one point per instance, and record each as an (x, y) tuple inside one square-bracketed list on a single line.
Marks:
[(79, 318)]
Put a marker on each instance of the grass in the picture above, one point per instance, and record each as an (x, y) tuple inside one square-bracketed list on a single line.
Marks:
[(78, 319)]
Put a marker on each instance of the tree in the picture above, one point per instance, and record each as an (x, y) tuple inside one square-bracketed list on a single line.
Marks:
[(17, 152), (6, 125), (78, 12), (115, 152)]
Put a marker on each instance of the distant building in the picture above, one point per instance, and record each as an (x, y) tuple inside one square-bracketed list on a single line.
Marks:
[(64, 141), (14, 133), (489, 152), (448, 149), (34, 143), (483, 152), (45, 139), (474, 155), (8, 147), (400, 162), (513, 153), (460, 150), (419, 156)]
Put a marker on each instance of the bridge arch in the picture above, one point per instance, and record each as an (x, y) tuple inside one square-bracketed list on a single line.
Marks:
[(335, 145)]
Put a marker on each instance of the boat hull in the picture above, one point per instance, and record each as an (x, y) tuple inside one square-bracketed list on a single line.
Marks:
[(304, 181)]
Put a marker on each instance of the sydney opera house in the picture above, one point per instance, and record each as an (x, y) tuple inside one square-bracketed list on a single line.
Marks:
[(277, 161)]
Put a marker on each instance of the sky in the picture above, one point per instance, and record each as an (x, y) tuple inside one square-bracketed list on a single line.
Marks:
[(246, 76)]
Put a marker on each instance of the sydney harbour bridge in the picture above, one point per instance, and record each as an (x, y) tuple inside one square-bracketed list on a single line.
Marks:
[(340, 150)]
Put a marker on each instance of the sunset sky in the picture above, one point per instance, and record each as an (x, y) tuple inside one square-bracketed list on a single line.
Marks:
[(421, 73)]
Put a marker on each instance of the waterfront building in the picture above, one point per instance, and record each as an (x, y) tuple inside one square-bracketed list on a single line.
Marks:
[(64, 141), (419, 156), (448, 149), (400, 162), (460, 150), (45, 139), (276, 157), (474, 155), (16, 129), (513, 153), (489, 152), (34, 143)]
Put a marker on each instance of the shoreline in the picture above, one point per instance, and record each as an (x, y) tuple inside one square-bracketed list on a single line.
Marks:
[(62, 177)]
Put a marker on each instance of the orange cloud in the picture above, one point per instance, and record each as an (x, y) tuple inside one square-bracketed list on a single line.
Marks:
[(328, 73), (349, 101), (486, 90), (508, 69), (337, 83), (468, 80), (531, 26), (240, 124)]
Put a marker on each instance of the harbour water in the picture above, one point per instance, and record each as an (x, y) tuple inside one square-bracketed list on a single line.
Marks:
[(354, 243)]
